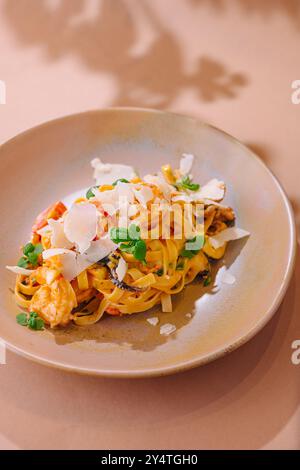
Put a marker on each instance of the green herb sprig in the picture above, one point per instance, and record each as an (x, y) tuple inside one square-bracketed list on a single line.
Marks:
[(186, 183), (130, 241), (31, 255), (90, 192), (32, 321), (120, 180)]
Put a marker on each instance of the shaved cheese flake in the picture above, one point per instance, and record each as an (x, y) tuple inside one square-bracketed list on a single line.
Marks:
[(186, 163), (228, 278), (227, 235), (55, 252), (225, 277), (125, 191), (108, 173), (58, 237), (183, 197), (121, 269), (167, 329), (18, 270), (214, 190), (159, 181), (98, 250), (112, 200), (80, 225), (153, 321), (72, 263), (143, 195), (132, 210)]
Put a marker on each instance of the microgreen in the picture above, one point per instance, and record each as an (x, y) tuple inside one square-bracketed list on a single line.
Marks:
[(198, 242), (23, 262), (207, 281), (186, 183), (32, 321), (90, 193), (31, 254), (120, 180), (130, 241)]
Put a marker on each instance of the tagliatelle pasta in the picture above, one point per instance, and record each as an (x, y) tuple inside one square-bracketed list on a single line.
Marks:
[(125, 247)]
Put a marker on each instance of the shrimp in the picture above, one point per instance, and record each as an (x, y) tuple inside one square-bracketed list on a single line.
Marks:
[(55, 302)]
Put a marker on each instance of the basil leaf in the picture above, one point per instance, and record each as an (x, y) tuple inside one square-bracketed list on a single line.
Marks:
[(120, 180), (35, 322), (38, 249), (28, 248), (119, 234), (134, 232), (23, 262), (22, 319), (128, 247), (122, 234), (33, 258), (140, 250)]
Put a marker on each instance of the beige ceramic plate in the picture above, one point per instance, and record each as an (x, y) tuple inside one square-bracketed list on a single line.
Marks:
[(53, 160)]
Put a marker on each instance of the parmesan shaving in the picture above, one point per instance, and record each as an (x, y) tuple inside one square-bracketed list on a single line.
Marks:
[(80, 225), (108, 173), (167, 329), (18, 270), (121, 269), (186, 163), (227, 235)]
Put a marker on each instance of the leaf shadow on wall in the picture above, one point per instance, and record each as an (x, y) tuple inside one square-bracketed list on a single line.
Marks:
[(265, 8), (106, 43)]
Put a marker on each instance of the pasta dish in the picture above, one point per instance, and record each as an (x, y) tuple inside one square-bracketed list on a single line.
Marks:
[(126, 245)]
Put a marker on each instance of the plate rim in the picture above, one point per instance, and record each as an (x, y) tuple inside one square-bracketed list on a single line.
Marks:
[(225, 349)]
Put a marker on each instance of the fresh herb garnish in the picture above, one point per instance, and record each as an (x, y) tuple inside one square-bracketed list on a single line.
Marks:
[(130, 241), (207, 281), (159, 272), (22, 319), (90, 193), (198, 243), (28, 248), (120, 180), (33, 321), (23, 262), (31, 254), (122, 234), (139, 251), (186, 183), (180, 266)]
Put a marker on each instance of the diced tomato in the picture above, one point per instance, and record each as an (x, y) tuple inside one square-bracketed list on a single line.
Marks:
[(113, 311), (55, 211)]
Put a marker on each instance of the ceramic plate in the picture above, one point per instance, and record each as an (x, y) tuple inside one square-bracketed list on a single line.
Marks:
[(52, 161)]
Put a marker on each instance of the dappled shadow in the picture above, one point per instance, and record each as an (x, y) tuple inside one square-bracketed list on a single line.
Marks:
[(107, 42), (265, 8)]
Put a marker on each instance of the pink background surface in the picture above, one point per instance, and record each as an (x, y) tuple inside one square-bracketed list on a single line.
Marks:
[(228, 62)]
